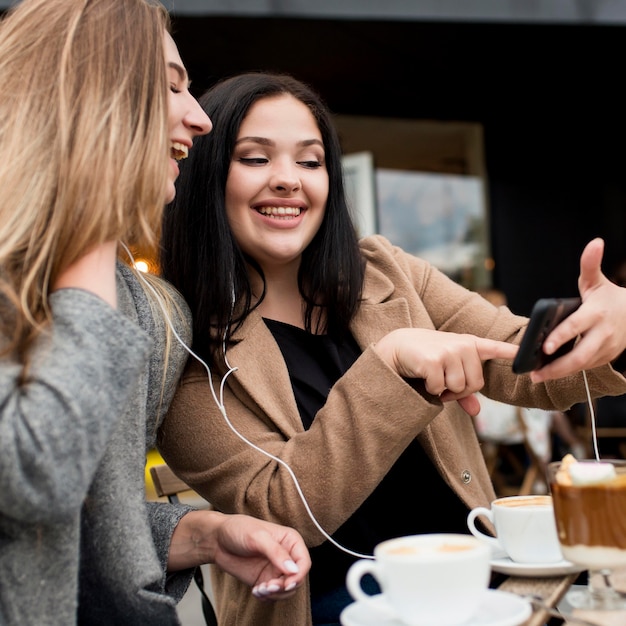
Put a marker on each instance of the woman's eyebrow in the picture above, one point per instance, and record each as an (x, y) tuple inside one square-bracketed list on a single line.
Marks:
[(260, 140), (312, 142), (268, 142), (180, 70)]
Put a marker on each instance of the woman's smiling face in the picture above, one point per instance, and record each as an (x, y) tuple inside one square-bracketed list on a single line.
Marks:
[(186, 119), (277, 184)]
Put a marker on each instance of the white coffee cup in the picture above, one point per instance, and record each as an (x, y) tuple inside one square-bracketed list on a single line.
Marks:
[(426, 580), (525, 528)]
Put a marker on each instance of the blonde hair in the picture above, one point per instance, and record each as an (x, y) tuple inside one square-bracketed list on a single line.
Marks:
[(83, 131)]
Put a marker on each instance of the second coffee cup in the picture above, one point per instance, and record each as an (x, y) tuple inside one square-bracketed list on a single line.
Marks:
[(525, 528)]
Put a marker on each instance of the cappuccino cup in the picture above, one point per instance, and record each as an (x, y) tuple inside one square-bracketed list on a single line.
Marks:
[(525, 528), (426, 580)]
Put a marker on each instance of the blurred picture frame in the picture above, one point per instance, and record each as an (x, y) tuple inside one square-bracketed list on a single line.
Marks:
[(359, 182), (439, 217)]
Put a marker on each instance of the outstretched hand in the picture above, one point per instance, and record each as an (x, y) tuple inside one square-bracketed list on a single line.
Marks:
[(599, 322), (450, 364), (270, 557)]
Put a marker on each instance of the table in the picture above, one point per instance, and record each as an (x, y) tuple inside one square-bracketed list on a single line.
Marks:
[(552, 590)]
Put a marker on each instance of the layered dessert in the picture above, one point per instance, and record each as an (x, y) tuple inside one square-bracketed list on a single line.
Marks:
[(590, 510)]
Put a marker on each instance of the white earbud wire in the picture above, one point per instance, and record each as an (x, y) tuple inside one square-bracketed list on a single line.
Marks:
[(219, 402)]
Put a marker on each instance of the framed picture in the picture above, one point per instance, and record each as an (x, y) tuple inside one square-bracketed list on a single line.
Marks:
[(438, 217), (358, 172)]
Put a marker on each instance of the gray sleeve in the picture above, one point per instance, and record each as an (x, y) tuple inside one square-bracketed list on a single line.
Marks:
[(168, 357), (54, 427), (163, 519)]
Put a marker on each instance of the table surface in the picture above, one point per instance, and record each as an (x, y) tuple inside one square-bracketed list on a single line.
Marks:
[(552, 590)]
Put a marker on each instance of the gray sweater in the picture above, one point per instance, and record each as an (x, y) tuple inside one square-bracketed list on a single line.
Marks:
[(78, 542)]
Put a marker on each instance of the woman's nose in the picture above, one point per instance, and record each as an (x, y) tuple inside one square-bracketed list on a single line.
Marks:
[(286, 180), (197, 120)]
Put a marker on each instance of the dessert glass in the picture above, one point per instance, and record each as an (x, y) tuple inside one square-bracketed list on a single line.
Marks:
[(591, 526)]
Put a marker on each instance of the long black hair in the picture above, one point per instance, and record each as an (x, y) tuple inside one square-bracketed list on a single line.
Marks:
[(199, 254)]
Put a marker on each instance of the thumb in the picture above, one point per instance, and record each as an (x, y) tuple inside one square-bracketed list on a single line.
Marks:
[(590, 266), (278, 555), (470, 404)]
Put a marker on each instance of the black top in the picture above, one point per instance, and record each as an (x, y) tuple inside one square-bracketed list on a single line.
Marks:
[(315, 363)]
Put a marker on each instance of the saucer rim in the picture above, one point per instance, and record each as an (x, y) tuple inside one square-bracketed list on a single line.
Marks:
[(505, 565), (525, 609)]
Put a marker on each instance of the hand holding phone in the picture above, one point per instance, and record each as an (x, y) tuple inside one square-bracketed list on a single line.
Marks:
[(546, 315)]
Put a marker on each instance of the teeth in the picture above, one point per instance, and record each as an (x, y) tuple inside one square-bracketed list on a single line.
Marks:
[(280, 211), (179, 151)]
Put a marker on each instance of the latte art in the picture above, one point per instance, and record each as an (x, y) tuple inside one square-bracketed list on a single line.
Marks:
[(524, 502)]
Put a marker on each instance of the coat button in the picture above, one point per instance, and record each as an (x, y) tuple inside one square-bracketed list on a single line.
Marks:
[(466, 477)]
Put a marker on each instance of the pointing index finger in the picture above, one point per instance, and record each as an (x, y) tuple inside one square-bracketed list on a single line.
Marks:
[(492, 349)]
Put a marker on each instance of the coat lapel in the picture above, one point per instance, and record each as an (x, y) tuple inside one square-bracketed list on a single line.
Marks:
[(268, 386), (378, 315)]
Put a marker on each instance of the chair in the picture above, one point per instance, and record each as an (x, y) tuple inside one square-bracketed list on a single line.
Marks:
[(509, 438), (536, 468), (607, 410), (168, 485)]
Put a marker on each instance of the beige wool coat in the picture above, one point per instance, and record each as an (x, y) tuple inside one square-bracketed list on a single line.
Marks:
[(370, 417)]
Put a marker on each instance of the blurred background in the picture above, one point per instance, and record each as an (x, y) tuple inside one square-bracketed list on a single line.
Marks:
[(519, 105)]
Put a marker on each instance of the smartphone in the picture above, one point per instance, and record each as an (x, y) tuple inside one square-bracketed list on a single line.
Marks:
[(546, 315)]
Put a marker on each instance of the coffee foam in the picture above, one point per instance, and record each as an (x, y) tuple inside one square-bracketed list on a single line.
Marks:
[(400, 550), (454, 547), (424, 549), (515, 502)]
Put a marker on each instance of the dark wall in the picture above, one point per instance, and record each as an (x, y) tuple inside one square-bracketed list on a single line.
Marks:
[(550, 99)]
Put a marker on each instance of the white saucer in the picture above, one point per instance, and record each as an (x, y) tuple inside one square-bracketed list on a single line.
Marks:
[(505, 565), (498, 608)]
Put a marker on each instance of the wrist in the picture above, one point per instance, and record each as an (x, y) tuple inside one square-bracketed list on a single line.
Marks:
[(385, 350), (194, 541)]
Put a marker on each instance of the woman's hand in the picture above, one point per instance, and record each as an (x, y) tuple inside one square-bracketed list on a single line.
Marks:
[(450, 364), (600, 321), (271, 558)]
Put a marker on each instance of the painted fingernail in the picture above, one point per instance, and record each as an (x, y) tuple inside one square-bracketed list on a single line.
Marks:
[(290, 586), (260, 590), (291, 566)]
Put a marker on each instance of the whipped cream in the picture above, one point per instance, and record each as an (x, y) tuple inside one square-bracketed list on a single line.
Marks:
[(591, 473)]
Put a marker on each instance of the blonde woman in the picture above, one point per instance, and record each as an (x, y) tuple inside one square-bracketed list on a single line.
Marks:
[(91, 129)]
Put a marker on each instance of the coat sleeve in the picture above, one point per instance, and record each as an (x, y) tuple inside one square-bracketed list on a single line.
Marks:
[(448, 306), (54, 427), (370, 416), (163, 520), (162, 313)]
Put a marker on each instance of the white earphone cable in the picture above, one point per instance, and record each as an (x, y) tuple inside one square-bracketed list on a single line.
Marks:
[(219, 402), (592, 415)]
